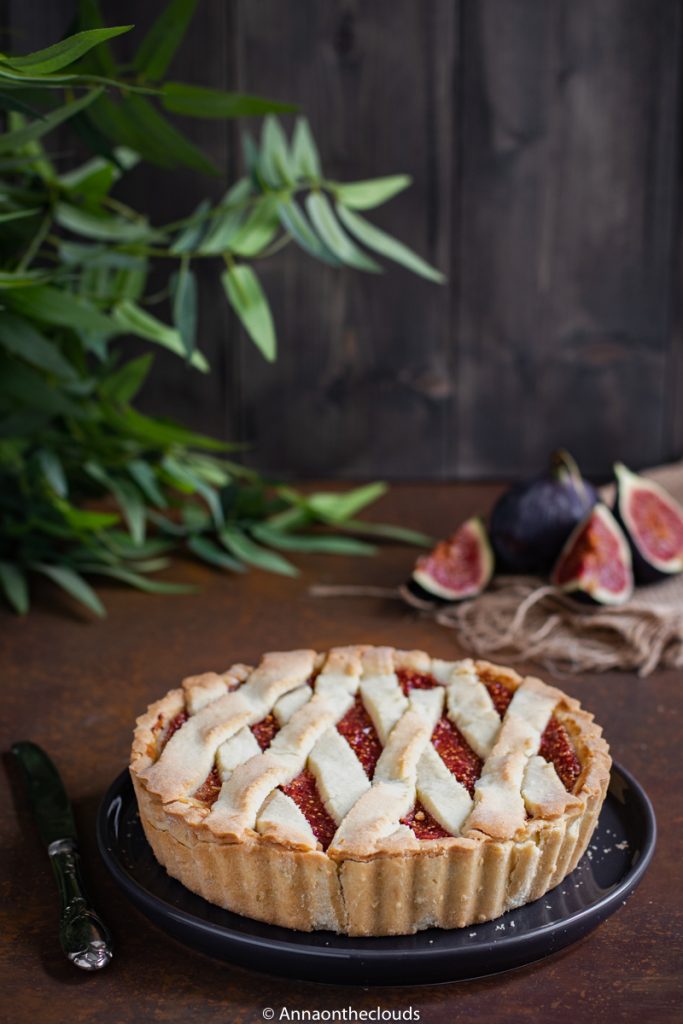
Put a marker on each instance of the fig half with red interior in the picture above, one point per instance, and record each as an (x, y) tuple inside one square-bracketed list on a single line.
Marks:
[(653, 522), (531, 521), (595, 563), (459, 567)]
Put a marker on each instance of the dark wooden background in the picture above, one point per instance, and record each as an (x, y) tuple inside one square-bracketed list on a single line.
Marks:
[(544, 139)]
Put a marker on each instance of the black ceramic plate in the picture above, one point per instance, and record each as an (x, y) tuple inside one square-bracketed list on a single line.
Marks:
[(619, 853)]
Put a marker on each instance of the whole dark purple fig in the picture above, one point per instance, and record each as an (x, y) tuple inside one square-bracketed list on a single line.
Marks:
[(531, 522)]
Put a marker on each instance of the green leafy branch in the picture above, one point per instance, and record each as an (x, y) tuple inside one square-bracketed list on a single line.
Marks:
[(74, 277)]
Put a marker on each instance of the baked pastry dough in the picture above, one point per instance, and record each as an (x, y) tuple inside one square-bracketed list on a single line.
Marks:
[(368, 791)]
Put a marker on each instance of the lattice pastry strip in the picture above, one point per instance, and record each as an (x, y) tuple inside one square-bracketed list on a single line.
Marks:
[(470, 707)]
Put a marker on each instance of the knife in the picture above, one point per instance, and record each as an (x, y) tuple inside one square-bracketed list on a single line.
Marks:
[(84, 937)]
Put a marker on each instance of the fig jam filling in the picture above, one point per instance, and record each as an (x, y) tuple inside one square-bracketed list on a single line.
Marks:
[(409, 680), (304, 792), (499, 694), (210, 788), (556, 748), (175, 723), (423, 824), (265, 730), (456, 753), (357, 729)]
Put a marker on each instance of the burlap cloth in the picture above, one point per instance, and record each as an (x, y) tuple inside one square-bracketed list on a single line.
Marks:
[(523, 618)]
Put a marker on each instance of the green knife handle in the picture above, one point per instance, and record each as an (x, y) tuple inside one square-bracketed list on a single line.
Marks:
[(84, 938)]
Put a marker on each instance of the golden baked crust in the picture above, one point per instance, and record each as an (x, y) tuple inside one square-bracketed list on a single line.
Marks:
[(516, 832)]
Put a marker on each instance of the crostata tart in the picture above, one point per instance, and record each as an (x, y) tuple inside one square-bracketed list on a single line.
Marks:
[(368, 791)]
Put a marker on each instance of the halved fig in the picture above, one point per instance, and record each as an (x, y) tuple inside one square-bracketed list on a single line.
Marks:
[(653, 523), (595, 563), (457, 568)]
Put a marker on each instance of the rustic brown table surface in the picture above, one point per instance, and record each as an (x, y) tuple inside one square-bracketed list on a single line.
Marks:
[(75, 686)]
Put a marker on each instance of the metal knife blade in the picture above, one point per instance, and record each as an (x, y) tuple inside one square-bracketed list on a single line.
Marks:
[(84, 937)]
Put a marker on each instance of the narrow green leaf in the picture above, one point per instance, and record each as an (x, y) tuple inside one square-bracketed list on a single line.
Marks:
[(19, 163), (389, 532), (145, 477), (324, 544), (305, 157), (258, 230), (208, 468), (237, 542), (127, 496), (171, 146), (122, 546), (62, 309), (252, 158), (19, 336), (156, 431), (95, 256), (248, 300), (24, 79), (295, 518), (188, 238), (110, 119), (92, 179), (108, 229), (99, 60), (14, 140), (180, 474), (209, 552), (157, 49), (275, 161), (334, 237), (294, 222), (17, 215), (53, 471), (335, 508), (8, 101), (195, 518), (184, 292), (14, 587), (134, 320), (133, 122), (73, 584), (83, 519), (12, 280), (22, 385), (197, 101), (130, 284), (86, 126), (124, 383), (60, 55), (364, 195), (224, 226), (387, 246), (134, 579)]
